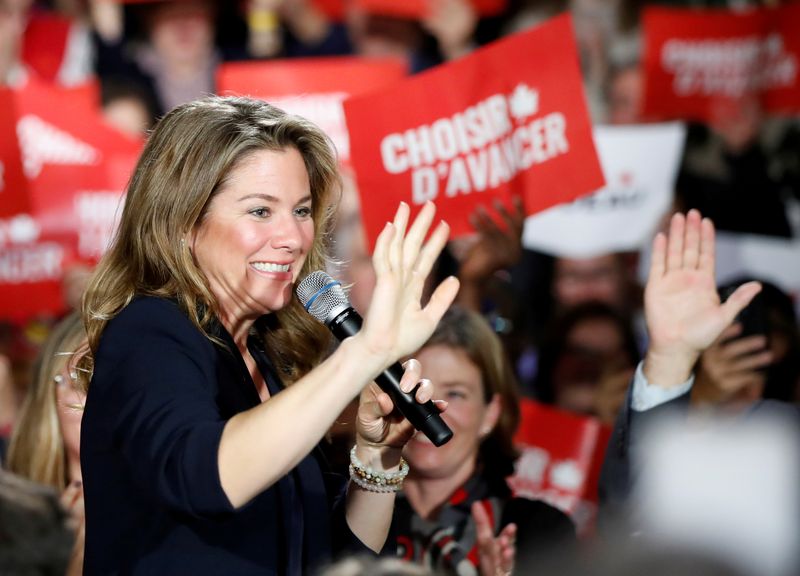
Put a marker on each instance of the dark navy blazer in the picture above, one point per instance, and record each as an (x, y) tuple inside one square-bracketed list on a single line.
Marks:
[(158, 401)]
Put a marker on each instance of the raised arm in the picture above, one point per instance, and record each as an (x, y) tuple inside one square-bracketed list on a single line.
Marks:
[(261, 445)]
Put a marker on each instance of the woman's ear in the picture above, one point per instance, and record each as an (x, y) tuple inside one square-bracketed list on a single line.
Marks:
[(491, 416)]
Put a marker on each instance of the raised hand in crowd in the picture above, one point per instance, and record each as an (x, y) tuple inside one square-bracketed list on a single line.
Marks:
[(494, 248), (264, 20), (108, 19), (495, 553), (682, 307), (452, 23), (13, 16), (730, 370)]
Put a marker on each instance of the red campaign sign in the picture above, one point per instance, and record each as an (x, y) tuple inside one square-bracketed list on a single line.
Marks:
[(77, 168), (419, 9), (461, 136), (699, 62), (560, 461), (314, 88), (13, 186)]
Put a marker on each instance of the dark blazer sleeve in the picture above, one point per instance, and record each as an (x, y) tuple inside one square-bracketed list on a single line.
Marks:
[(155, 379), (618, 475)]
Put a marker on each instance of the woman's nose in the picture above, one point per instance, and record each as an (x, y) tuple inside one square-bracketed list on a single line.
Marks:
[(288, 234)]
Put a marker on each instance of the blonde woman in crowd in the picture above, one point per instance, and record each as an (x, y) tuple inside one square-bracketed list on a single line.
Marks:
[(45, 444)]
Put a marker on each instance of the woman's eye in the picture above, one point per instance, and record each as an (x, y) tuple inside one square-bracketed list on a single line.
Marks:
[(303, 212), (455, 395), (260, 212)]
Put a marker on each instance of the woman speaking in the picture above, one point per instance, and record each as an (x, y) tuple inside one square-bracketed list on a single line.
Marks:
[(209, 392)]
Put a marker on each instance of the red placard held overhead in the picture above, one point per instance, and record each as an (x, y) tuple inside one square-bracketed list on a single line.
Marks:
[(312, 87), (699, 62), (510, 118)]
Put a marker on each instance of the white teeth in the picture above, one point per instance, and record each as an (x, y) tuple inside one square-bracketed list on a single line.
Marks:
[(270, 267)]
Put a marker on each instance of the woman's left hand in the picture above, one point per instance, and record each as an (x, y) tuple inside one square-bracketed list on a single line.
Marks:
[(495, 554), (379, 425)]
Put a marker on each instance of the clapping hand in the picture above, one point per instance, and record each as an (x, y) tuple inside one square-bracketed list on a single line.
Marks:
[(495, 554)]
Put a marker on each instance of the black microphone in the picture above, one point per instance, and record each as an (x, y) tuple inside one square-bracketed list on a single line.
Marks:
[(324, 298)]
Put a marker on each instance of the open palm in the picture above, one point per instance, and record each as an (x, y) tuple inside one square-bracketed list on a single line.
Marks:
[(683, 310), (397, 324)]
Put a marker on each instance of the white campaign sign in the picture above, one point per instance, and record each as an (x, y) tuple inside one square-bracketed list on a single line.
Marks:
[(640, 164), (775, 260)]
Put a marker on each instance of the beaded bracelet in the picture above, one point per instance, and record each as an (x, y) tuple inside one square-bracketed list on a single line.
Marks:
[(373, 481)]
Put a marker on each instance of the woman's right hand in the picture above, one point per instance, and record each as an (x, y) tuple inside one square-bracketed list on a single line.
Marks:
[(397, 324)]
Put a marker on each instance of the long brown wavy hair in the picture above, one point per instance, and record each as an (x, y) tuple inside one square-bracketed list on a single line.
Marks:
[(36, 450), (185, 163), (468, 331)]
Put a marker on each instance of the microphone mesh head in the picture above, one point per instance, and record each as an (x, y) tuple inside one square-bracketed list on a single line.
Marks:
[(320, 295)]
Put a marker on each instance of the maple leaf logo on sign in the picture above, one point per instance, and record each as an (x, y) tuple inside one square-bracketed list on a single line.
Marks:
[(21, 229), (523, 102), (42, 143)]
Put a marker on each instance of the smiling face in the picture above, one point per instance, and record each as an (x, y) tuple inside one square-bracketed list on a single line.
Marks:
[(459, 381), (255, 236)]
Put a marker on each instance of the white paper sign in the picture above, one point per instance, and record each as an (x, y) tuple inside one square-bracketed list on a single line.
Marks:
[(775, 260), (640, 164)]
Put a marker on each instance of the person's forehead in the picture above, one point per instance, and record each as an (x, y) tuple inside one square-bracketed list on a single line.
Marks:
[(604, 261)]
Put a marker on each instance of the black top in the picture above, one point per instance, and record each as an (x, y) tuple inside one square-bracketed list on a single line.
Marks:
[(157, 404)]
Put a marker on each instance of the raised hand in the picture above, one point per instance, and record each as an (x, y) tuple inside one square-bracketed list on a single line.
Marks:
[(396, 324), (452, 23), (683, 310), (495, 554), (494, 248)]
